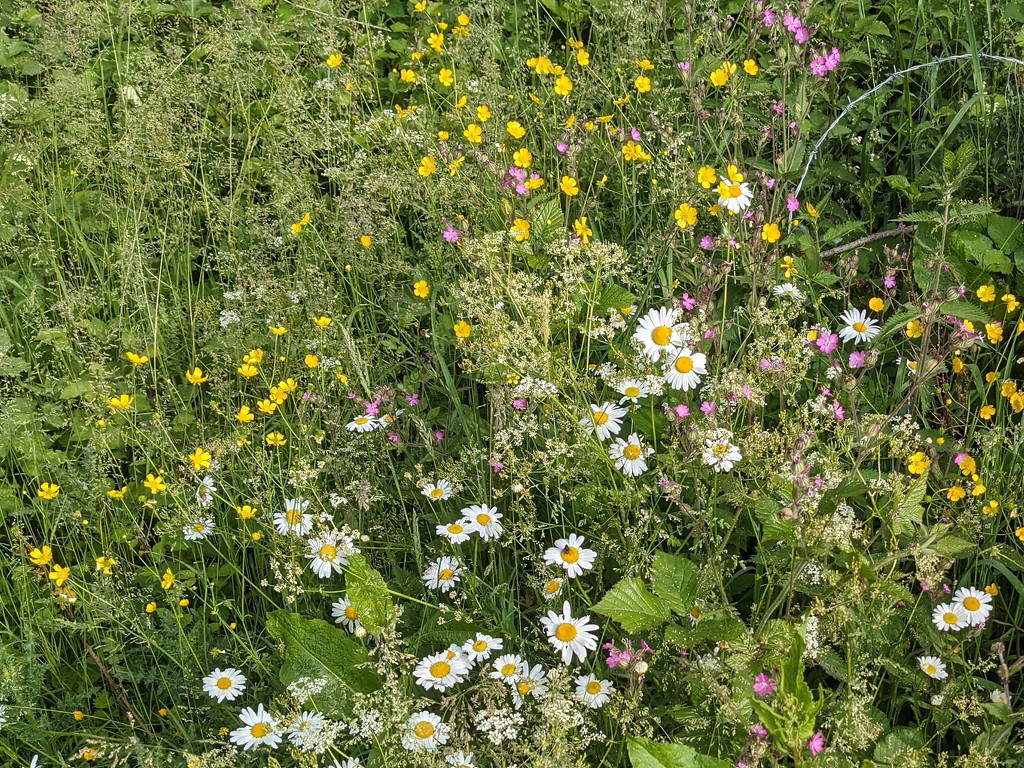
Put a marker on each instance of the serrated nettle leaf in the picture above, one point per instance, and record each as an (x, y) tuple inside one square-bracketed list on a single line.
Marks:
[(368, 592), (674, 579), (633, 606), (965, 310), (644, 753)]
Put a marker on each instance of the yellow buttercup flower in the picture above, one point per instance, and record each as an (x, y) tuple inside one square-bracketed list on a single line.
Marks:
[(276, 439), (155, 484), (750, 67), (200, 459), (918, 463), (247, 370), (41, 555), (334, 60), (105, 565), (771, 233), (195, 377), (322, 322), (876, 304), (473, 133), (60, 574), (421, 289), (278, 330), (135, 359), (428, 166), (515, 129), (520, 230), (642, 83), (582, 229), (563, 86), (707, 176), (245, 415), (463, 329), (48, 491), (366, 241), (117, 493), (167, 581), (120, 403), (569, 186), (685, 216)]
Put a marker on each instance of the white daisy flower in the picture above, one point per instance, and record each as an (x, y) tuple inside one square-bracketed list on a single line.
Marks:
[(481, 647), (362, 423), (294, 519), (438, 491), (857, 326), (199, 529), (659, 331), (509, 668), (975, 603), (933, 667), (571, 555), (593, 692), (327, 554), (443, 574), (460, 760), (789, 290), (479, 518), (736, 196), (441, 671), (424, 731), (259, 728), (949, 616), (307, 727), (604, 420), (456, 532), (720, 453), (533, 682), (570, 636), (632, 391), (346, 614), (684, 368), (630, 456), (224, 684), (205, 491), (552, 588)]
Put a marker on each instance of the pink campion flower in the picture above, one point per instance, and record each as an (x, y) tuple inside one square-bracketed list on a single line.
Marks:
[(709, 333), (924, 587), (496, 465), (438, 435), (684, 67), (562, 147), (681, 411), (519, 403), (837, 411), (801, 36), (816, 744), (372, 409), (764, 685), (764, 364), (688, 302), (959, 458), (769, 18), (634, 134), (827, 343), (451, 234), (946, 589), (707, 242), (889, 281), (792, 204), (413, 400), (825, 63), (777, 108), (758, 731), (791, 22), (394, 437), (708, 407), (858, 359)]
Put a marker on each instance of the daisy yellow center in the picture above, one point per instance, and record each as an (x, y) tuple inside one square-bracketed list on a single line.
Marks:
[(508, 670), (260, 730), (972, 603), (480, 646), (684, 364), (351, 613), (930, 669), (362, 420), (734, 191), (440, 669), (631, 452), (600, 417), (551, 587), (437, 493), (661, 335), (423, 729), (328, 553), (593, 687), (483, 518), (524, 687), (632, 392), (294, 516), (446, 574), (224, 683), (199, 528), (566, 632), (950, 618), (454, 528), (720, 449), (860, 327), (570, 554)]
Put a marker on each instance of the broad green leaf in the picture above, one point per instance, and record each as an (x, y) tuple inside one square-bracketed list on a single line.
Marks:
[(368, 592), (965, 310), (674, 579), (630, 604), (320, 651), (644, 753)]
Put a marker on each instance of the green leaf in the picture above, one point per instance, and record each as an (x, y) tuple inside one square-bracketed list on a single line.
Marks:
[(644, 753), (368, 592), (965, 311), (315, 649), (674, 579), (630, 604)]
